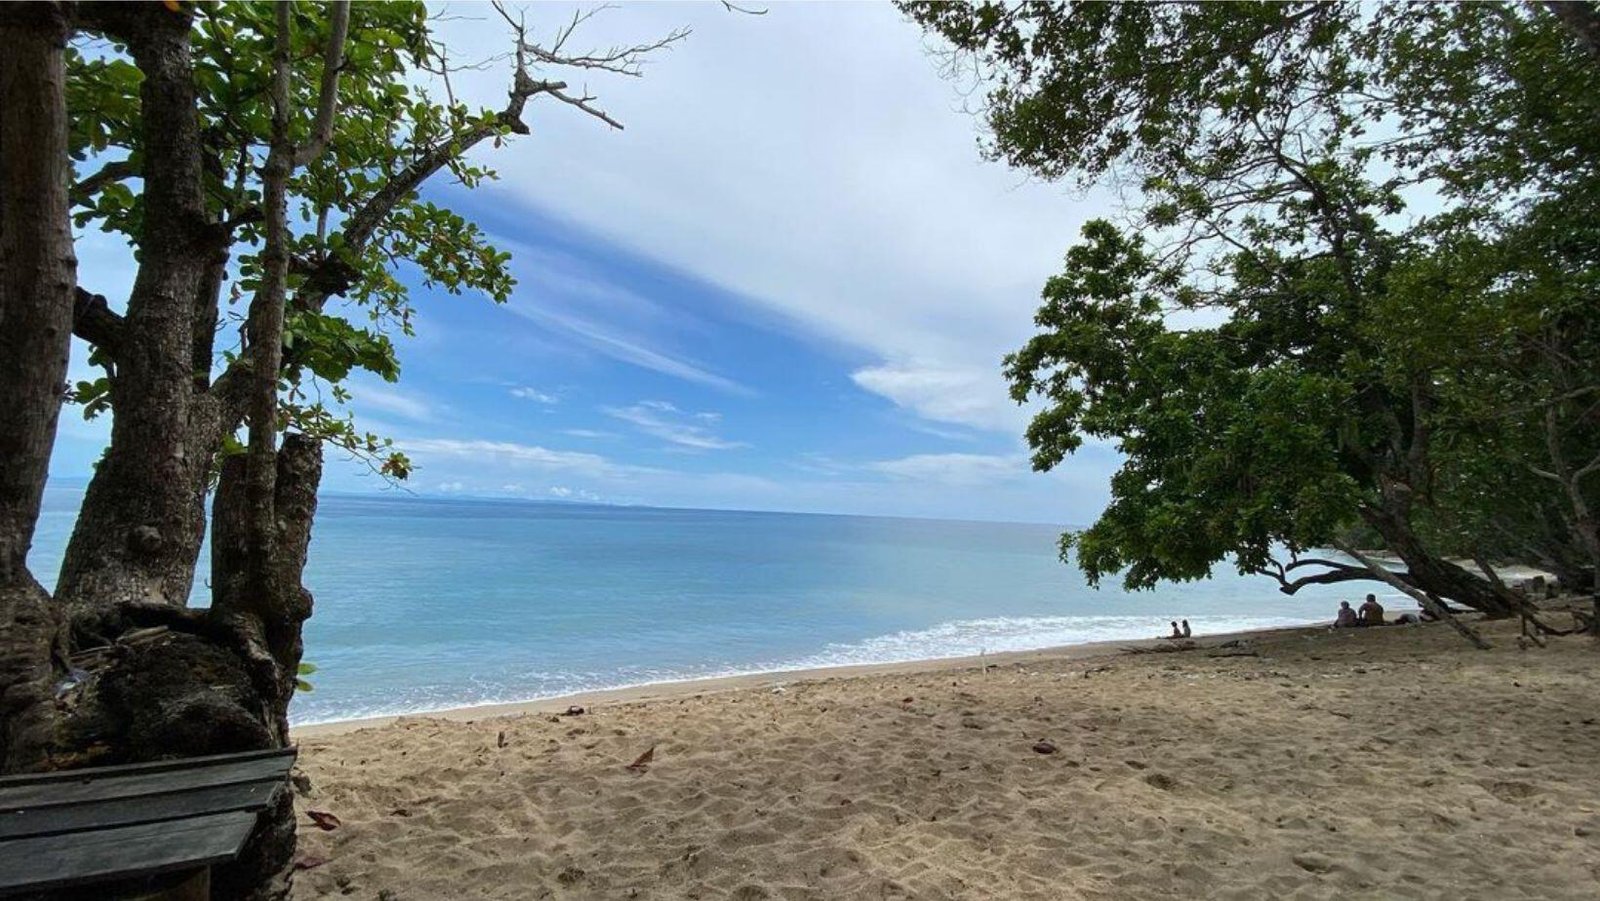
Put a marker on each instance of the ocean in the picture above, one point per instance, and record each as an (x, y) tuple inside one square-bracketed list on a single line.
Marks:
[(425, 603)]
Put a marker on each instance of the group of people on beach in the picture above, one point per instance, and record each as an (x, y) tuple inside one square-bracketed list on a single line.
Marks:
[(1180, 632), (1371, 614)]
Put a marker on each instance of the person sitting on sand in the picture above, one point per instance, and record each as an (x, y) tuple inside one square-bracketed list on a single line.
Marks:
[(1371, 612), (1186, 632), (1346, 618), (1176, 632), (1423, 615)]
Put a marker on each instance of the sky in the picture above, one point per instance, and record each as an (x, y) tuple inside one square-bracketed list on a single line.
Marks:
[(787, 285)]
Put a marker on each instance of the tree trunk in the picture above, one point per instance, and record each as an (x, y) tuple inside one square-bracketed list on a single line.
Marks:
[(271, 613), (1428, 572), (37, 275), (143, 518), (1428, 601)]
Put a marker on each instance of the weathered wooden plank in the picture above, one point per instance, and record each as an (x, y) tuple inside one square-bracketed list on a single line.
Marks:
[(82, 858), (154, 766), (110, 783), (101, 814)]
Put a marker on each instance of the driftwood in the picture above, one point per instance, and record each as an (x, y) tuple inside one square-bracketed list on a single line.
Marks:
[(1184, 645)]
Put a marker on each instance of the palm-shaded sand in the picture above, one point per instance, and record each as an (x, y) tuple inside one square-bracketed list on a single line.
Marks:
[(1393, 763)]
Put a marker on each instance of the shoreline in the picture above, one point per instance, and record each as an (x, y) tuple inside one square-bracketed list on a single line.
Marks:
[(1301, 762), (683, 688)]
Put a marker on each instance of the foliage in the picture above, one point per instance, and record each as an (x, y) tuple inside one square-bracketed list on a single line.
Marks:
[(389, 120), (301, 671), (1361, 253)]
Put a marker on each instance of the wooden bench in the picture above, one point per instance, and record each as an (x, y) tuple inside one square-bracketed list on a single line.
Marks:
[(136, 829)]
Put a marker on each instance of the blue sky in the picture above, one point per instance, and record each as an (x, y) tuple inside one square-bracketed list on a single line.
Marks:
[(787, 285)]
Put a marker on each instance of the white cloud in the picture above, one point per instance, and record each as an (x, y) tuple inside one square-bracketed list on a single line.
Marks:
[(955, 469), (518, 456), (451, 487), (535, 395), (405, 405), (562, 492), (662, 420), (630, 349), (903, 486), (588, 433), (969, 396), (862, 212)]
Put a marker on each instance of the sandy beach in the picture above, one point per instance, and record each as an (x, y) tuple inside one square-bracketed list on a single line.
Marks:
[(1392, 763)]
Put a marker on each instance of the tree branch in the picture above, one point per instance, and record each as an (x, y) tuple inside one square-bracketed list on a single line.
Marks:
[(114, 171), (1428, 601), (328, 99), (1335, 574), (94, 322)]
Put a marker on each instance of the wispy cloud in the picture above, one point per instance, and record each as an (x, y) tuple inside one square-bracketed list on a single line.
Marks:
[(535, 395), (529, 456), (665, 421), (631, 350), (406, 406), (955, 469), (588, 433)]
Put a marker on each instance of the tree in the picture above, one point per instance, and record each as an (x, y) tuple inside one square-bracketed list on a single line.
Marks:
[(190, 118), (1273, 149), (37, 275)]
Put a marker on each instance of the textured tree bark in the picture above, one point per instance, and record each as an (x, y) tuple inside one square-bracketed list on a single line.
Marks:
[(270, 613), (140, 528), (37, 276), (1427, 572)]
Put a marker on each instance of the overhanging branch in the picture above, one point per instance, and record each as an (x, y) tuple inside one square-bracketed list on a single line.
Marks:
[(94, 322)]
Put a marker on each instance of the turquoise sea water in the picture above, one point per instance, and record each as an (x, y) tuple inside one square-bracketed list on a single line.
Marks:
[(423, 604)]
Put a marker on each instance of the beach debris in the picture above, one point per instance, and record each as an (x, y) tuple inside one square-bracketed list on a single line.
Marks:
[(1181, 644), (500, 740), (570, 874), (1161, 781), (400, 812), (1043, 746), (907, 700), (309, 862), (1312, 862), (325, 821), (574, 710), (301, 783), (644, 761)]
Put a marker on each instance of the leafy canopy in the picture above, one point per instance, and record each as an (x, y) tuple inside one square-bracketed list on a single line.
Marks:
[(389, 120), (1354, 226)]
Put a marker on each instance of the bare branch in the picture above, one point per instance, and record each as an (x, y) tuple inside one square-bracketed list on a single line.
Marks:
[(583, 103)]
